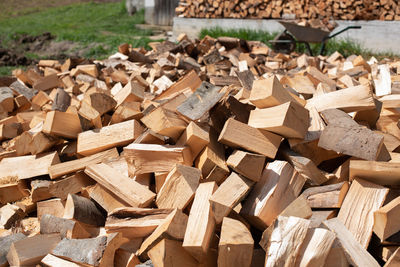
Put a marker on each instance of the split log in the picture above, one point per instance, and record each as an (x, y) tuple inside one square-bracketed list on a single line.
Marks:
[(247, 164), (195, 138), (50, 224), (385, 219), (171, 253), (383, 173), (326, 197), (5, 244), (83, 210)]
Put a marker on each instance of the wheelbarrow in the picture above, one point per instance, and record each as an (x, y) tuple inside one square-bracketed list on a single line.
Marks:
[(293, 34)]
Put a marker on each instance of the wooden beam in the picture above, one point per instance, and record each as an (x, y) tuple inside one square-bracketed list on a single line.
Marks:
[(148, 158), (30, 251), (33, 165), (230, 193), (356, 254), (120, 134), (237, 134), (383, 173), (135, 222), (179, 187), (127, 189), (201, 224), (385, 219), (357, 211), (247, 164), (290, 120), (235, 244), (269, 196)]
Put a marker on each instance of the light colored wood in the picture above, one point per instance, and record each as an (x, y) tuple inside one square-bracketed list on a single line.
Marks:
[(315, 247), (268, 93), (235, 244), (88, 113), (9, 215), (135, 222), (318, 77), (12, 191), (58, 170), (124, 258), (190, 80), (285, 241), (211, 162), (6, 99), (47, 83), (298, 208), (326, 197), (62, 124), (30, 251), (83, 210), (383, 83), (69, 185), (100, 101), (105, 198), (201, 223), (357, 211), (289, 120), (173, 227), (195, 138), (385, 219), (358, 98), (131, 92), (165, 122), (53, 261), (171, 253), (336, 256), (5, 243), (237, 134), (383, 173), (394, 260), (33, 165), (179, 187), (356, 254), (148, 158), (120, 134), (127, 189), (230, 193), (53, 206), (247, 164), (270, 195), (50, 224)]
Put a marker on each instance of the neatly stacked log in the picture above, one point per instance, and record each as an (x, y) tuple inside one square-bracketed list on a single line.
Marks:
[(206, 153), (304, 9)]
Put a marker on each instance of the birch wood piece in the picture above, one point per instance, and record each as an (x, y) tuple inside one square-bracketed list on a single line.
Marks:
[(383, 173), (385, 219), (53, 261), (326, 197), (36, 165), (58, 170), (50, 224), (289, 120), (268, 93), (357, 211), (120, 134), (201, 224), (173, 227), (135, 222), (315, 248), (201, 101), (247, 164), (5, 244), (83, 210), (356, 254), (127, 189), (230, 193), (235, 245), (30, 251), (237, 134), (179, 187), (284, 244), (171, 253), (269, 196)]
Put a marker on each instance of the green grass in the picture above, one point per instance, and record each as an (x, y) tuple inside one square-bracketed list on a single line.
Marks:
[(345, 47), (99, 26)]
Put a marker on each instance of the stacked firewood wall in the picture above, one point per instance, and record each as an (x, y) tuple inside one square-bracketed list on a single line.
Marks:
[(303, 9)]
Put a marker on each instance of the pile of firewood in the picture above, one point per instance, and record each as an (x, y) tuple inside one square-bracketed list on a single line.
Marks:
[(276, 9), (201, 153)]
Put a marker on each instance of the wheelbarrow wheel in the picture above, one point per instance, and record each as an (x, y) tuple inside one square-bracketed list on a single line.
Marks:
[(284, 43)]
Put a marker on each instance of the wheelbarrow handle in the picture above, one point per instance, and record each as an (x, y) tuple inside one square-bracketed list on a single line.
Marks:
[(339, 32)]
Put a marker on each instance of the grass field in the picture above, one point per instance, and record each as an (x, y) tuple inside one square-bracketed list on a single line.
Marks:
[(100, 26), (346, 48)]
